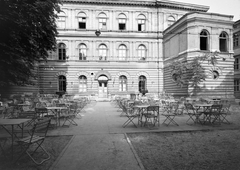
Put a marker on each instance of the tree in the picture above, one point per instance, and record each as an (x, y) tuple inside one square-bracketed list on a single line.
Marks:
[(27, 32), (191, 73)]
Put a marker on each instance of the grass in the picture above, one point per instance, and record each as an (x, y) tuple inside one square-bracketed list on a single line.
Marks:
[(53, 144)]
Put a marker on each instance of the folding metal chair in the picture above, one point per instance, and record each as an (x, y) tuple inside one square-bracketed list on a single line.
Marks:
[(225, 112), (70, 115), (34, 141), (171, 113), (29, 115), (213, 116), (152, 116), (192, 113), (131, 115)]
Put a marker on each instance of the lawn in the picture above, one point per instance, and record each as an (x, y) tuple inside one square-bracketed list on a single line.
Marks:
[(199, 150), (53, 144)]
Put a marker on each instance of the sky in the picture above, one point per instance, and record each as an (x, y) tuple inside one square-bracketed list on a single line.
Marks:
[(229, 7)]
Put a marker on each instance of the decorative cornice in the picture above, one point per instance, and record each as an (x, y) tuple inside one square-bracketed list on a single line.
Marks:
[(149, 3)]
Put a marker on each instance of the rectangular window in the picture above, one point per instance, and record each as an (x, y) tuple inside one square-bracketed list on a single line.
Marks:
[(141, 25), (122, 24), (61, 22), (82, 23), (235, 41), (236, 85), (236, 64), (103, 24)]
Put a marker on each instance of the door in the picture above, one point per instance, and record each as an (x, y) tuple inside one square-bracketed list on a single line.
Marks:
[(102, 87)]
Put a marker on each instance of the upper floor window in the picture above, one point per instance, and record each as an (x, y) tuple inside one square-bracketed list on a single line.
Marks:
[(204, 40), (62, 83), (102, 21), (236, 85), (61, 21), (102, 51), (235, 40), (61, 51), (122, 22), (142, 83), (142, 52), (122, 83), (236, 64), (82, 20), (82, 84), (141, 23), (82, 52), (223, 42), (52, 55), (170, 20), (122, 52)]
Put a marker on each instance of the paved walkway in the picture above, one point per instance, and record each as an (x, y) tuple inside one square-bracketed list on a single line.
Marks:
[(99, 141)]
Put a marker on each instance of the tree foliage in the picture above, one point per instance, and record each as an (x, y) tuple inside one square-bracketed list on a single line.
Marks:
[(192, 73), (27, 32)]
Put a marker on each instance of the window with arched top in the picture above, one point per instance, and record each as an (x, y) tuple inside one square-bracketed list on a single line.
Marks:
[(82, 83), (170, 20), (82, 52), (61, 20), (61, 51), (82, 20), (223, 42), (62, 83), (122, 19), (122, 52), (102, 21), (142, 83), (142, 52), (122, 83), (204, 40), (102, 51), (141, 22)]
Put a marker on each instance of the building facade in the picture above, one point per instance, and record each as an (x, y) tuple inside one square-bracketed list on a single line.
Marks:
[(236, 47), (120, 47)]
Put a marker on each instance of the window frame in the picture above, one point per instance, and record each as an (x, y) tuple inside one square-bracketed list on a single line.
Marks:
[(141, 20), (82, 47), (102, 21), (142, 52), (236, 85), (62, 83), (171, 20), (236, 64), (122, 22), (102, 51), (123, 83), (122, 52), (235, 40), (204, 40), (223, 42), (142, 83), (62, 51), (82, 83)]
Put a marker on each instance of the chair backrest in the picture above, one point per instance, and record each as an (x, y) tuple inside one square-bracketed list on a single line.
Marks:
[(189, 108), (153, 110), (41, 111), (41, 128), (27, 114)]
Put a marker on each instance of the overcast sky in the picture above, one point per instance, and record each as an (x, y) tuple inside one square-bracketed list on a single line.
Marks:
[(229, 7)]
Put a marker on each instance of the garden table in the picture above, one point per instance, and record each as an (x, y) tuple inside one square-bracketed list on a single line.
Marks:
[(57, 111), (12, 123), (141, 109)]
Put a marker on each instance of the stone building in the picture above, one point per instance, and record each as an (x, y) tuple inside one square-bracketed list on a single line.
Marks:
[(236, 47), (120, 47)]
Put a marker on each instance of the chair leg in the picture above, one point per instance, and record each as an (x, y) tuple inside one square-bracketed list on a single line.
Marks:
[(130, 120)]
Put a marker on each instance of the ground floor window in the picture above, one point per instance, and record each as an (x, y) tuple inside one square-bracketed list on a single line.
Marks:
[(82, 84), (236, 84), (62, 83), (122, 83), (142, 84)]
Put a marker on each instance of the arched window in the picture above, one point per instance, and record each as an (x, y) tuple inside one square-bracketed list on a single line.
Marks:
[(61, 21), (61, 51), (122, 21), (204, 40), (62, 83), (141, 22), (102, 21), (82, 20), (170, 20), (122, 52), (82, 83), (142, 84), (122, 83), (142, 52), (223, 42), (82, 52), (102, 52)]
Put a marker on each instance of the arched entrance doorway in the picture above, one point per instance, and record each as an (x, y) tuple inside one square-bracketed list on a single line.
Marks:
[(102, 86)]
